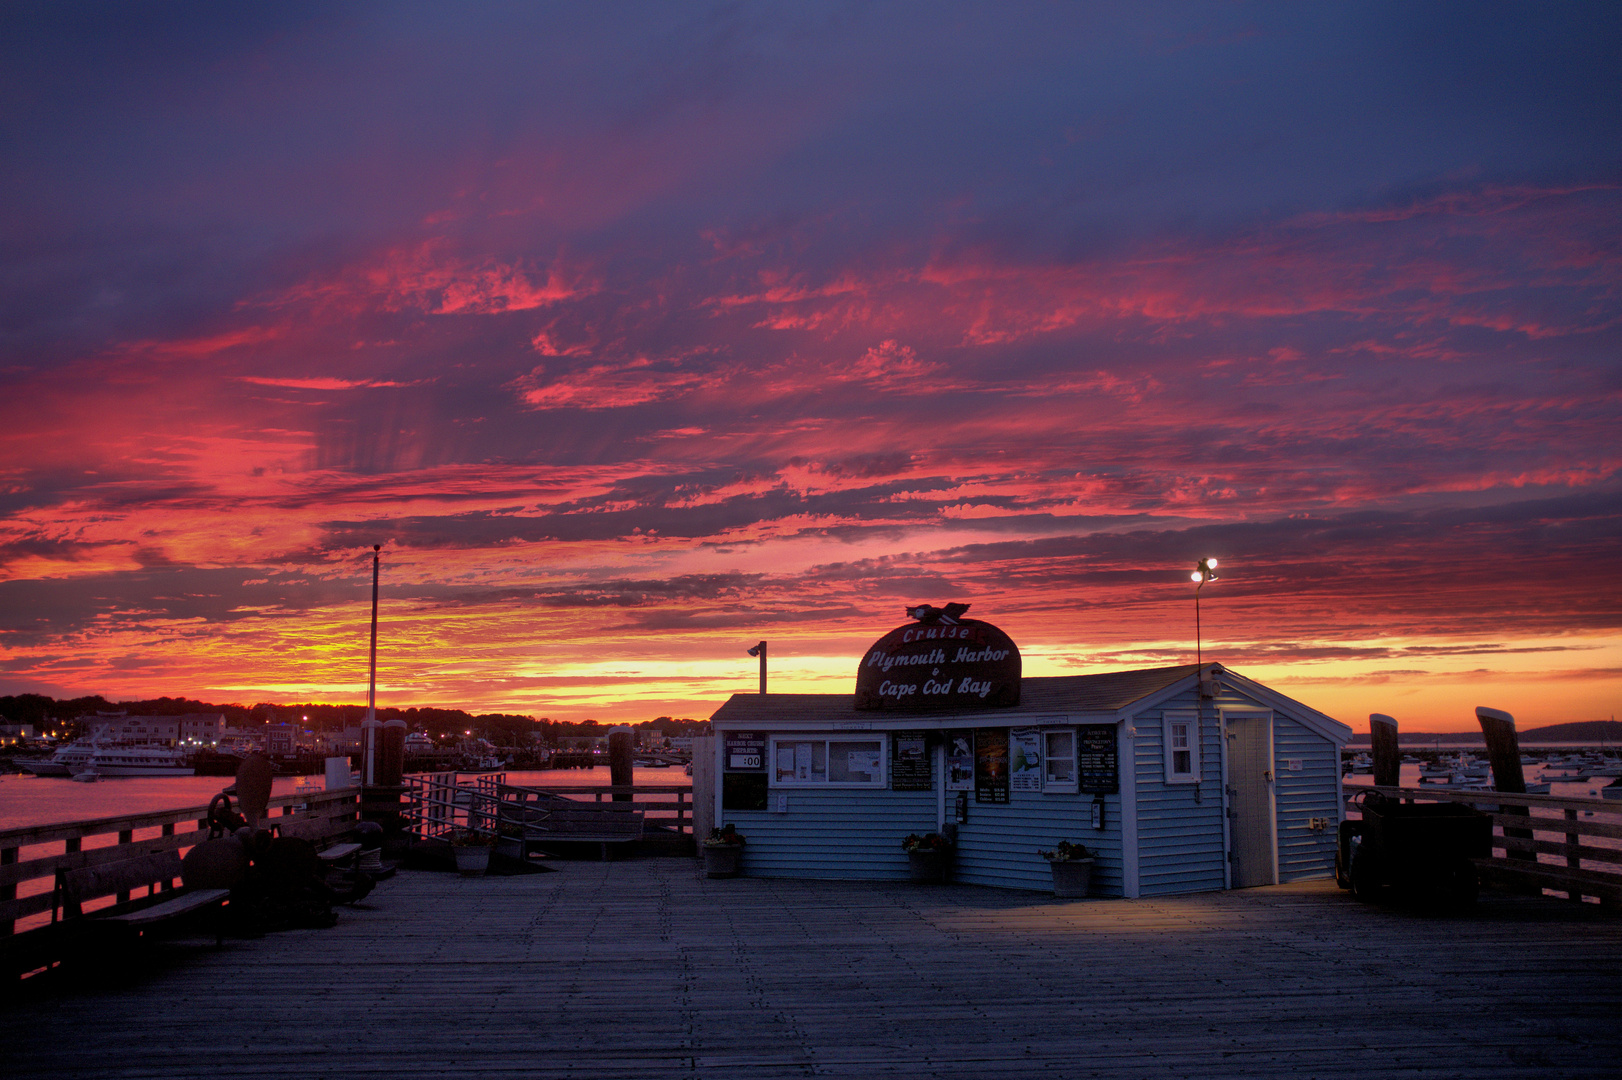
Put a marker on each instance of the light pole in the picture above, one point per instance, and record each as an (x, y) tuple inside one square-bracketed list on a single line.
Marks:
[(371, 682), (1204, 570), (760, 651)]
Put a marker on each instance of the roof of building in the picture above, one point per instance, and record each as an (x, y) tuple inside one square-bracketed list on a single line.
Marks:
[(1106, 692)]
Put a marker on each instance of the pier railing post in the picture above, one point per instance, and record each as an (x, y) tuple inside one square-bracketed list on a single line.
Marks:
[(8, 857)]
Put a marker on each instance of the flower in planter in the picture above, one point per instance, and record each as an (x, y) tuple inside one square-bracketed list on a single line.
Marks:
[(1065, 851), (927, 842), (470, 838), (726, 836)]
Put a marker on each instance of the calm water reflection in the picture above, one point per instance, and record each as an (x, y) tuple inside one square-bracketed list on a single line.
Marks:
[(39, 800)]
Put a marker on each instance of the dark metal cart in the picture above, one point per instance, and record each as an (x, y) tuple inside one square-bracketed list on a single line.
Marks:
[(1418, 850)]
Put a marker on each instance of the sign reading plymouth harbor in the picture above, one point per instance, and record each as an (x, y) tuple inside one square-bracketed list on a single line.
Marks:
[(941, 661)]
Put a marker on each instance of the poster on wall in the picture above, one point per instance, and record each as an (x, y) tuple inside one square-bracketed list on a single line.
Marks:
[(1098, 759), (909, 762), (960, 761), (1025, 768), (991, 765)]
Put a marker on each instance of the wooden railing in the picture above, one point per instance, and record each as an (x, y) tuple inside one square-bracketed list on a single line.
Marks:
[(439, 803), (31, 856), (1574, 846), (668, 805), (436, 804)]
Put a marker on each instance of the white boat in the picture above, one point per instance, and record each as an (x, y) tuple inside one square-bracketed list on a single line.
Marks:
[(1457, 780), (67, 761), (127, 760)]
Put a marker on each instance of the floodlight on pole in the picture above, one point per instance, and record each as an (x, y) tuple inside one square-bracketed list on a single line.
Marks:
[(760, 651), (1204, 570)]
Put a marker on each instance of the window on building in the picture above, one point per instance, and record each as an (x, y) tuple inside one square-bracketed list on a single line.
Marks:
[(1059, 760), (840, 761), (1182, 732)]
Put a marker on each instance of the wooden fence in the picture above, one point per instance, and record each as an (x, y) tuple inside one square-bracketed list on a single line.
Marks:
[(31, 856), (1574, 846), (436, 804)]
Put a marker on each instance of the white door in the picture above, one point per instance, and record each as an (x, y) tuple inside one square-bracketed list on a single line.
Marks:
[(1250, 799)]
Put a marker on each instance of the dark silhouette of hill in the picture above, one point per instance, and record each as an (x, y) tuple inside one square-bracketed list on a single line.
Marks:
[(1580, 731)]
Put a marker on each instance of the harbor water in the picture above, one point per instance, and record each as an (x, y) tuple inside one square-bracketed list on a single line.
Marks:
[(41, 800)]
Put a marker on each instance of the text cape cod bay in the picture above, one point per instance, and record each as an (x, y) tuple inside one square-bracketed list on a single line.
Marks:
[(931, 666)]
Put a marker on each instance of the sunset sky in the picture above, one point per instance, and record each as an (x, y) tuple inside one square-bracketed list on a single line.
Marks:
[(637, 333)]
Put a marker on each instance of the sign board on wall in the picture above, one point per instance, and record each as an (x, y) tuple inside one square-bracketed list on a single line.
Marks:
[(1025, 766), (745, 752), (743, 775), (960, 761), (1098, 767), (940, 663), (743, 791), (910, 762), (991, 765)]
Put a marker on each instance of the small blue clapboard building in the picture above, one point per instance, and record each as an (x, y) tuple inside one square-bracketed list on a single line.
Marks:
[(1180, 779)]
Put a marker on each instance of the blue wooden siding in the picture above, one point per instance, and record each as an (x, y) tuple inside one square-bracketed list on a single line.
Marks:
[(998, 846), (854, 834), (841, 833), (1301, 796), (1180, 826)]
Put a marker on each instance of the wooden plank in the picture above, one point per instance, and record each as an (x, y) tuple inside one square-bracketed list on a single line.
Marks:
[(761, 978)]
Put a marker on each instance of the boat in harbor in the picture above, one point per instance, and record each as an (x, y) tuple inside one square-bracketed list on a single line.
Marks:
[(67, 761), (122, 759), (87, 776)]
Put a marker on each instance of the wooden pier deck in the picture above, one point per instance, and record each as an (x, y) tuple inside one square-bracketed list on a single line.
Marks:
[(644, 968)]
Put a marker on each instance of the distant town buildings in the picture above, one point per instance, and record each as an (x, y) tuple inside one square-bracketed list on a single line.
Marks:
[(186, 731)]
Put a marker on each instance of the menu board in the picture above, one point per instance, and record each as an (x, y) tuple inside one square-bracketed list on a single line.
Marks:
[(1098, 762), (991, 765), (909, 762)]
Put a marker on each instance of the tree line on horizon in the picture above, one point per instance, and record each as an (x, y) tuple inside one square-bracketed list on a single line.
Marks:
[(506, 729)]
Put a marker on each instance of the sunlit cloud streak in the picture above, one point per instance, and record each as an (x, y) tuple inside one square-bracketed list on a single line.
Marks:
[(632, 342)]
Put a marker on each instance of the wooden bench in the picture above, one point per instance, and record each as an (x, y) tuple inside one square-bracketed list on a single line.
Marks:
[(153, 871), (319, 832), (587, 823)]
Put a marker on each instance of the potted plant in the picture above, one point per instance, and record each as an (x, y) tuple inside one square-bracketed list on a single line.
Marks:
[(929, 857), (510, 840), (1072, 866), (472, 852), (723, 852)]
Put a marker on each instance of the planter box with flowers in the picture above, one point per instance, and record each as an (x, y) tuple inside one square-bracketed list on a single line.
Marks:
[(510, 840), (723, 852), (1072, 866), (929, 857), (472, 852)]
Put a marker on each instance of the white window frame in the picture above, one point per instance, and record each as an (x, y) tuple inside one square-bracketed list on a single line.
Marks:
[(1170, 721), (880, 739), (1061, 787)]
